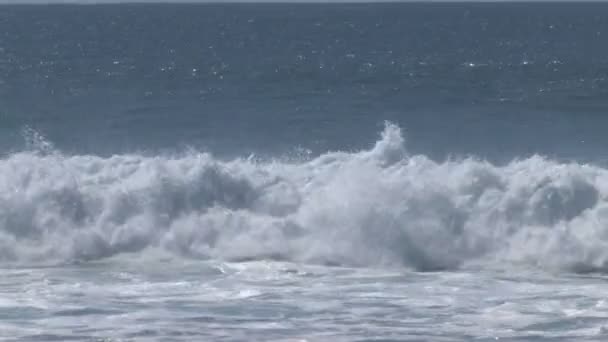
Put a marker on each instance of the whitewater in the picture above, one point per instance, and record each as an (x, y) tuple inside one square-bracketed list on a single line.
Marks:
[(376, 243), (377, 207)]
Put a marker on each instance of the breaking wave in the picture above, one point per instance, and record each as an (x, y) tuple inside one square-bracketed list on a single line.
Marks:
[(377, 207)]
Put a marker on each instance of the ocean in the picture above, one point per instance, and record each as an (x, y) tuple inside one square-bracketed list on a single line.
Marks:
[(304, 172)]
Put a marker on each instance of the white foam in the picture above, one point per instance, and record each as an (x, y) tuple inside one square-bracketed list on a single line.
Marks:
[(379, 207)]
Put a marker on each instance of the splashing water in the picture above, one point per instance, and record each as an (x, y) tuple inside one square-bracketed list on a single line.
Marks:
[(378, 207)]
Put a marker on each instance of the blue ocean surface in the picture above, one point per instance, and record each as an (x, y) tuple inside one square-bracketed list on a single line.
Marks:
[(304, 172)]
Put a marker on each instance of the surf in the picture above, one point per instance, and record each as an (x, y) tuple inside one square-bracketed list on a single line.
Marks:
[(379, 207)]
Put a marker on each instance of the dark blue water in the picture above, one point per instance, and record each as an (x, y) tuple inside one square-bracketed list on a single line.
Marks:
[(495, 80)]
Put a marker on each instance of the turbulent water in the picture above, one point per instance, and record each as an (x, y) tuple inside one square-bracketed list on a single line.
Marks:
[(274, 172)]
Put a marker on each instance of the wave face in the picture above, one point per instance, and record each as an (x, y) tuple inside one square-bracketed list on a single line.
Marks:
[(377, 207)]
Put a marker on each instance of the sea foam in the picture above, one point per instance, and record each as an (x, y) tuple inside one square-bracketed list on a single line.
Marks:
[(377, 207)]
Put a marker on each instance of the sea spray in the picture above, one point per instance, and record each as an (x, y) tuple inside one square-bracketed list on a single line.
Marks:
[(377, 207)]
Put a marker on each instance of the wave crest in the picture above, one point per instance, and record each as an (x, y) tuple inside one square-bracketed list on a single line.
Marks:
[(380, 207)]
